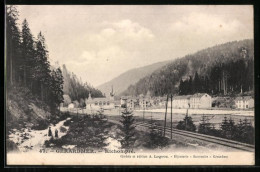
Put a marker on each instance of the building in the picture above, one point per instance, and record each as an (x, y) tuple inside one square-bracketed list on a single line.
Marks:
[(200, 101), (76, 103), (180, 102), (129, 102), (159, 102), (71, 106), (196, 101), (100, 103), (245, 102), (145, 103)]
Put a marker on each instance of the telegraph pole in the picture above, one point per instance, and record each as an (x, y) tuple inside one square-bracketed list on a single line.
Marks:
[(165, 117), (171, 116)]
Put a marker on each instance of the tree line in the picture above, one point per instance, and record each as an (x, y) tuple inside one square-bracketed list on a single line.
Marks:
[(27, 63), (243, 131), (75, 88), (223, 69)]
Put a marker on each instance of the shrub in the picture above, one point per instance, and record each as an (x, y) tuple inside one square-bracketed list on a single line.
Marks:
[(67, 123), (11, 146), (63, 129), (41, 125), (156, 140), (186, 124)]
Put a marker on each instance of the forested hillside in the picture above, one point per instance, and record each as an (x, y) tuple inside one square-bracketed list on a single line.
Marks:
[(75, 88), (223, 69), (35, 89), (124, 80), (27, 64)]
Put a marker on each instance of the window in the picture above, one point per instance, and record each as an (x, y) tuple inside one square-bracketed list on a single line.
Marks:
[(104, 103), (96, 103), (100, 103), (108, 103)]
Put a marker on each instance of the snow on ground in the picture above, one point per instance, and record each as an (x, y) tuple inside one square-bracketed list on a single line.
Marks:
[(203, 111), (68, 146), (113, 143), (36, 138)]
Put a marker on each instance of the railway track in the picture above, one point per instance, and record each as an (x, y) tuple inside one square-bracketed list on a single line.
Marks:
[(203, 137)]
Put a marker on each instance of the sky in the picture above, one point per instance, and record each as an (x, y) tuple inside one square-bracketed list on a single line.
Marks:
[(98, 43)]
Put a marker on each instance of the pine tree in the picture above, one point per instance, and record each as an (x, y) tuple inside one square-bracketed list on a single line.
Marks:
[(28, 54), (56, 89), (42, 67), (228, 128), (186, 124), (13, 45), (156, 139), (248, 133), (196, 83), (224, 127), (128, 129), (204, 126)]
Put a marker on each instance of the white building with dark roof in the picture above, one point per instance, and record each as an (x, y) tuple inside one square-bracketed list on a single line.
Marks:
[(196, 101), (200, 101), (245, 102), (100, 103), (180, 102)]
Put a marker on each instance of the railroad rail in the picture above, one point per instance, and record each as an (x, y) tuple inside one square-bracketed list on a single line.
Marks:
[(203, 137)]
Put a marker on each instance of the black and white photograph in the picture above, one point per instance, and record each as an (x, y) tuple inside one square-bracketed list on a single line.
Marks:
[(129, 85)]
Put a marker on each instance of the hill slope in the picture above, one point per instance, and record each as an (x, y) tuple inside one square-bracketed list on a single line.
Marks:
[(223, 69), (75, 88), (124, 80)]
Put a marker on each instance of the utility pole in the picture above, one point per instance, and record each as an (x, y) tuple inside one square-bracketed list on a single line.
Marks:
[(165, 117), (171, 116), (186, 118), (143, 113)]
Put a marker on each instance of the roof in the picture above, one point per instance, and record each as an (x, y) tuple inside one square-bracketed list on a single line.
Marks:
[(198, 95), (99, 99), (181, 97), (125, 97), (132, 99), (117, 102)]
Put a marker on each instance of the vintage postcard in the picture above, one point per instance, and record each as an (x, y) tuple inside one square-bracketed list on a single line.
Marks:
[(129, 85)]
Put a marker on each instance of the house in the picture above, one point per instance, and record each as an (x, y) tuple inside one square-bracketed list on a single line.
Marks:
[(200, 101), (71, 106), (162, 101), (158, 102), (180, 102), (124, 99), (145, 102), (196, 101), (129, 102), (245, 102), (76, 103), (100, 103)]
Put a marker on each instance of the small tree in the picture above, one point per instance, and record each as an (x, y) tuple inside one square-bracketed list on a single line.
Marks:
[(204, 126), (246, 131), (228, 128), (128, 129), (186, 124), (156, 139)]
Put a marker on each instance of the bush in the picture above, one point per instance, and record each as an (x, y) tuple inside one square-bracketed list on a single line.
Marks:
[(186, 124), (41, 125), (156, 140), (55, 142), (11, 146), (63, 129), (67, 123)]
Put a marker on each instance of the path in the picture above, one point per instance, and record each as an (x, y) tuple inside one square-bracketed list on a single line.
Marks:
[(36, 138)]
